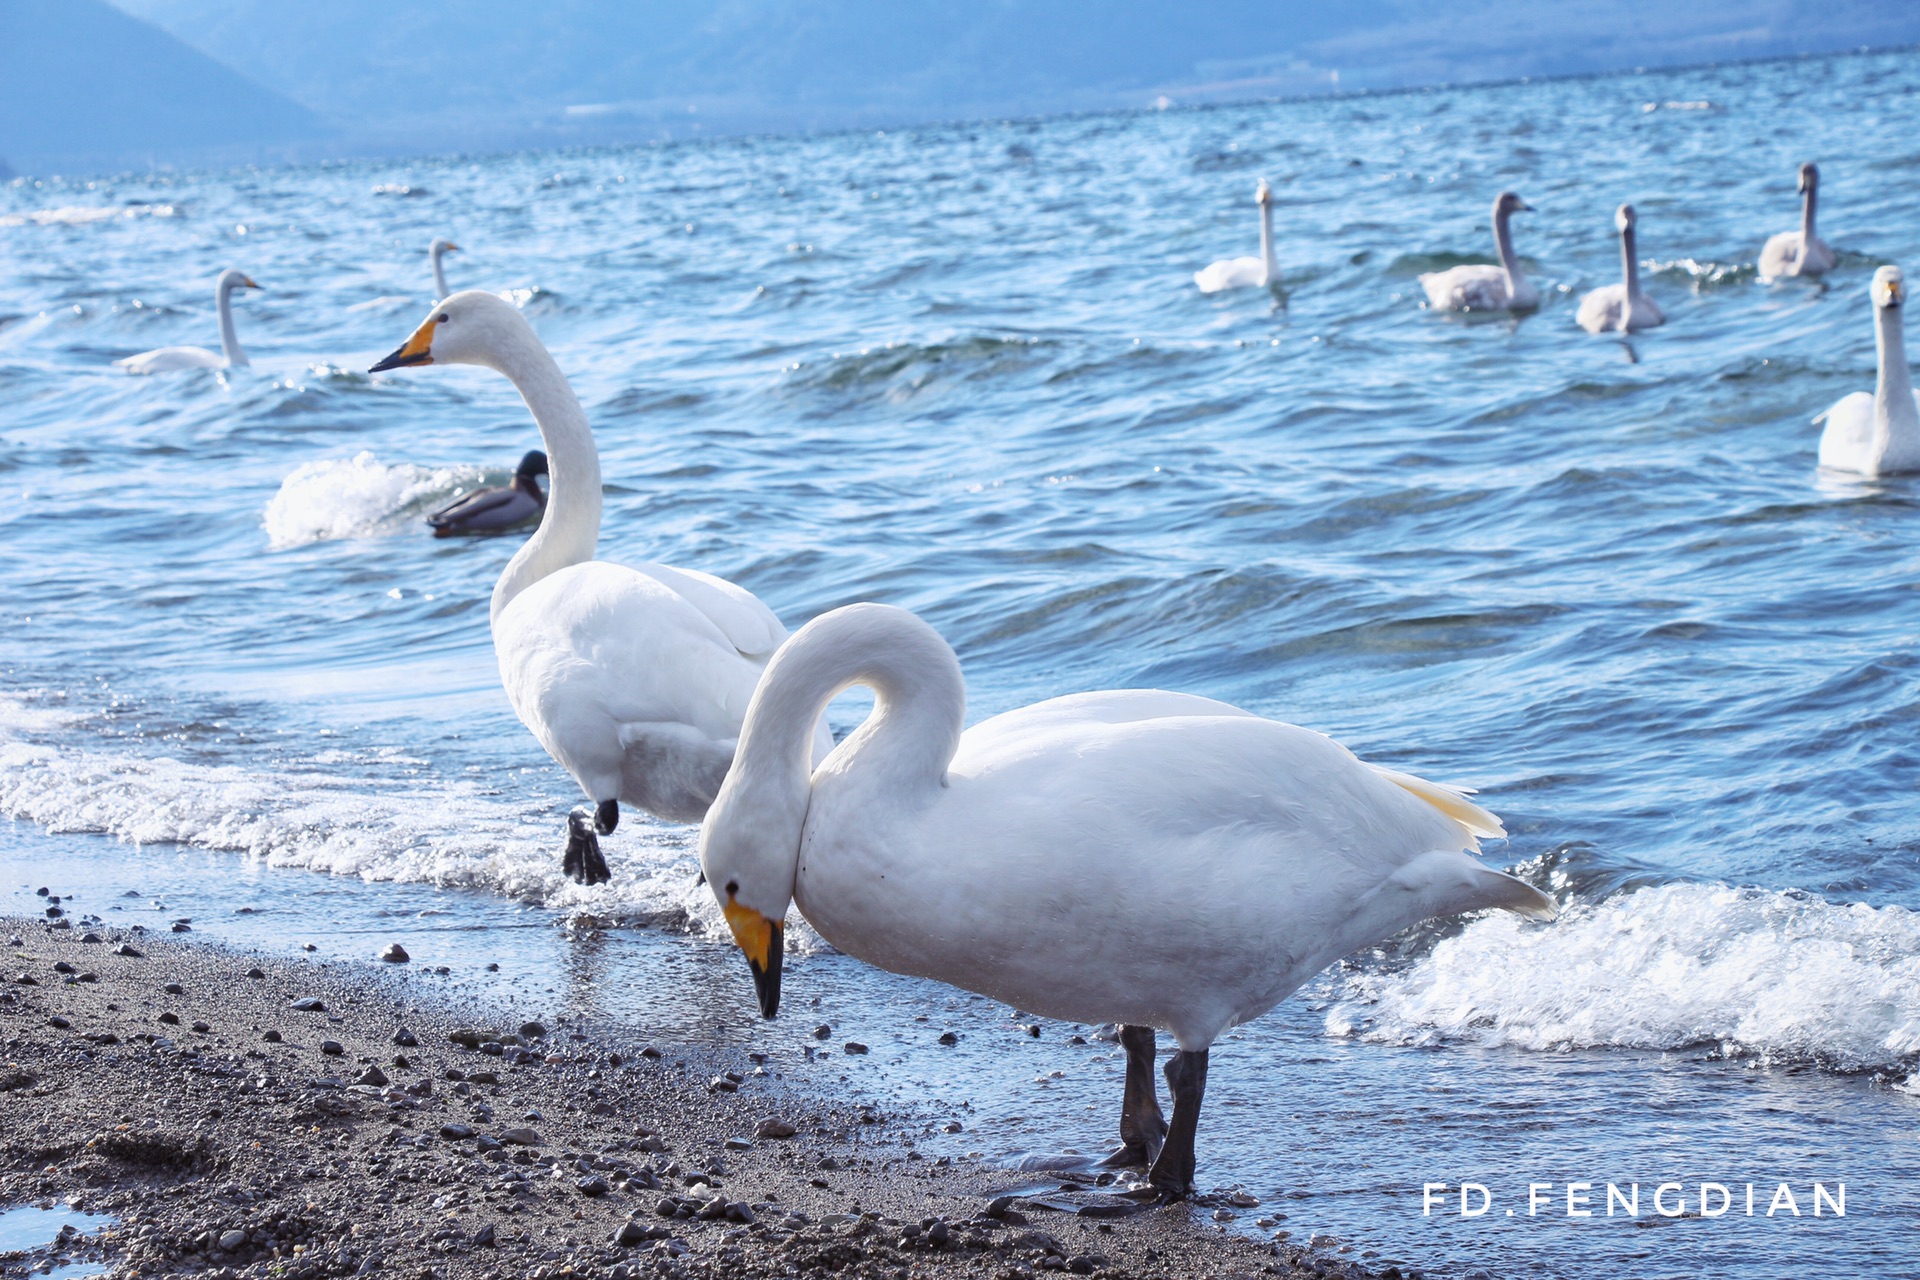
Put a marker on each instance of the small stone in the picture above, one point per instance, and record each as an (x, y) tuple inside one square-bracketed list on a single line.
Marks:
[(772, 1128), (61, 966), (256, 973), (651, 1051), (58, 1023), (822, 1032), (309, 947), (532, 1031), (202, 1027), (594, 1185), (394, 953), (231, 1240), (174, 989), (484, 1238), (91, 937), (948, 1038), (854, 1047), (468, 1037), (310, 1004), (738, 1144), (124, 949), (25, 980), (170, 1018), (630, 1233), (374, 1076), (520, 1137), (1241, 1200), (332, 1048), (272, 1037), (953, 1126), (404, 1038), (456, 1132), (720, 1084), (1032, 1029), (482, 1077), (181, 926)]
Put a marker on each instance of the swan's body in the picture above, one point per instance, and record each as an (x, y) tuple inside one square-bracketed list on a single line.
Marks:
[(1879, 434), (1138, 857), (491, 510), (635, 679), (1621, 308), (1799, 253), (167, 359), (1246, 273), (1485, 286)]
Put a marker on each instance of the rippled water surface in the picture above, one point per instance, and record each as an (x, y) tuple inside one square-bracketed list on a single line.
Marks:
[(965, 370)]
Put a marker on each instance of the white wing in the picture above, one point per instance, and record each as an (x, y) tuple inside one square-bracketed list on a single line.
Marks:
[(1231, 273), (167, 359), (747, 623)]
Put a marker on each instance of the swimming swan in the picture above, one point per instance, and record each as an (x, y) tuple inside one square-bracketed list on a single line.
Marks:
[(1150, 859), (1799, 253), (1879, 434), (491, 510), (435, 251), (1241, 273), (635, 679), (1483, 286), (167, 359), (1621, 307)]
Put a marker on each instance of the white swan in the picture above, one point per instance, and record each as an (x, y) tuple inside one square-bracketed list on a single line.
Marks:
[(1879, 434), (1799, 253), (1621, 307), (1137, 857), (435, 251), (167, 359), (634, 678), (1483, 286), (1244, 273)]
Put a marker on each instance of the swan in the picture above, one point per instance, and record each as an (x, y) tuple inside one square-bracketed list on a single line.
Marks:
[(1799, 253), (1151, 859), (1621, 307), (634, 678), (435, 251), (491, 510), (1482, 286), (1878, 434), (1242, 273), (167, 359)]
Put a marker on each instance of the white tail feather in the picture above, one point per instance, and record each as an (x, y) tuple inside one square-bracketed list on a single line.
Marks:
[(1449, 800)]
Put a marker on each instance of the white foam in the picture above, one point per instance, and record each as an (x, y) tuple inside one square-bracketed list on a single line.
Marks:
[(80, 215), (359, 497), (1782, 975)]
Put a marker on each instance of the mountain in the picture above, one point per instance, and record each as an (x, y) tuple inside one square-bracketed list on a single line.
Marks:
[(86, 85)]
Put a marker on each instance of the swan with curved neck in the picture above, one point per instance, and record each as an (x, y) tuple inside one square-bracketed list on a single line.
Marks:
[(1242, 273), (634, 678), (165, 359), (1621, 308), (1879, 434), (1150, 859), (1484, 286), (1799, 253), (435, 251)]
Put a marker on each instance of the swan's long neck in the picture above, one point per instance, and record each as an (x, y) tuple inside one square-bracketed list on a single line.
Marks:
[(1629, 265), (1893, 406), (229, 340), (440, 289), (1807, 207), (1503, 245), (571, 526), (1268, 266)]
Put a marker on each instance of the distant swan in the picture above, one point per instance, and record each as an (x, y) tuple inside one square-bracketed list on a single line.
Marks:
[(491, 510), (634, 678), (1246, 273), (435, 251), (1621, 308), (1150, 859), (1483, 286), (1799, 253), (167, 359), (1879, 434)]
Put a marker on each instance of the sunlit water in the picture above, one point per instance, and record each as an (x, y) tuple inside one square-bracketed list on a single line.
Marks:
[(965, 370)]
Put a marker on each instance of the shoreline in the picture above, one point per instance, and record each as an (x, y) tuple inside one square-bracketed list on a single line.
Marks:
[(240, 1115)]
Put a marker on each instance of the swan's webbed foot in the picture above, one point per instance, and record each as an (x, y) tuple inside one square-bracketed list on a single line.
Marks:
[(1172, 1171), (583, 862), (1143, 1128)]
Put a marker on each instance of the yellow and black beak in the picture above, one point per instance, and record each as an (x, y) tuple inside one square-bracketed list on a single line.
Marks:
[(418, 350), (246, 282), (764, 942)]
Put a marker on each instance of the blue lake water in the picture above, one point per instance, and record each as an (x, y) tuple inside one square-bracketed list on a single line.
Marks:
[(965, 370)]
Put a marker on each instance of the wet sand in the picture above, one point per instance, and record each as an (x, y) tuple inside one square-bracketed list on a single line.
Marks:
[(243, 1116)]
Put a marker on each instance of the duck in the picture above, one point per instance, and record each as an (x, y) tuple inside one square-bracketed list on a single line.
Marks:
[(1621, 308), (635, 678), (1799, 253), (168, 359), (491, 510), (1878, 434), (1246, 273), (1156, 860), (1483, 286)]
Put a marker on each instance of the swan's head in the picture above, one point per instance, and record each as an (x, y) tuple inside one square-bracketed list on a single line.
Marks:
[(748, 853), (1263, 194), (439, 247), (231, 280), (1623, 217), (1809, 177), (534, 464), (1889, 288), (1508, 203), (470, 327)]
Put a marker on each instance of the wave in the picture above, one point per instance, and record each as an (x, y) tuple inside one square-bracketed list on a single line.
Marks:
[(1775, 975), (80, 215), (359, 497)]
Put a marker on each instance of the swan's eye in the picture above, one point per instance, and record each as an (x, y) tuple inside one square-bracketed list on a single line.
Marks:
[(441, 318), (733, 887)]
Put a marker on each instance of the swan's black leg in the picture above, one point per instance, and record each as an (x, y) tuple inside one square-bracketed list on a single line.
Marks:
[(1142, 1125), (1172, 1172), (583, 861), (606, 816)]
